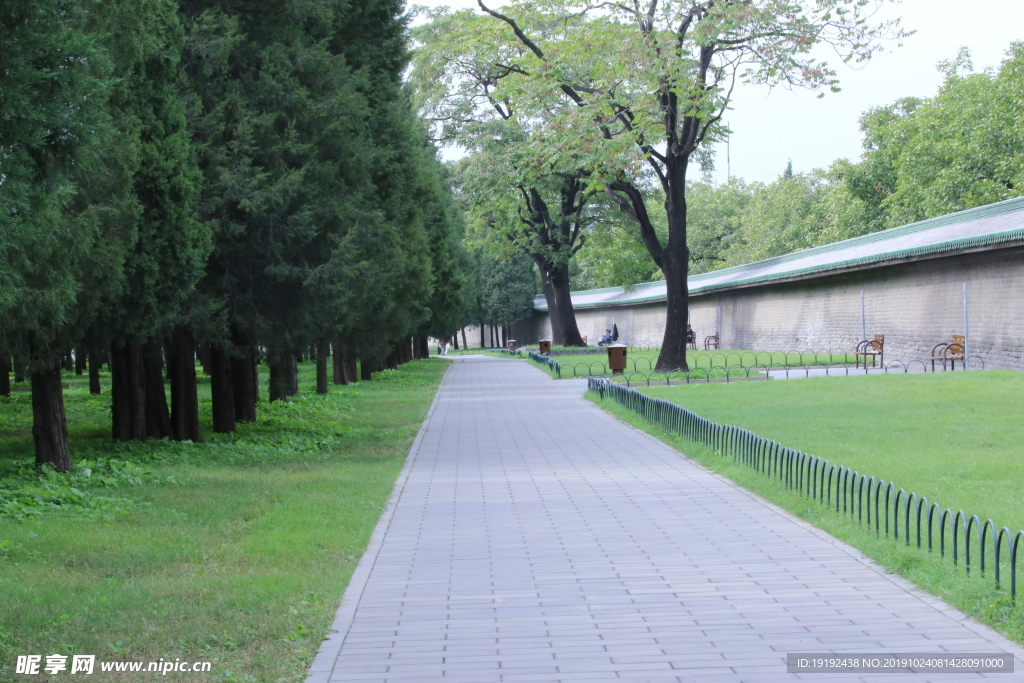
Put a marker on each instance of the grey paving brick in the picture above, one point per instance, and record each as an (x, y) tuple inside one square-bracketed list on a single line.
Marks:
[(532, 537)]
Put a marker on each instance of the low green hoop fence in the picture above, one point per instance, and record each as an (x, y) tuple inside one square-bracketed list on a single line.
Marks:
[(728, 366), (551, 363), (902, 516)]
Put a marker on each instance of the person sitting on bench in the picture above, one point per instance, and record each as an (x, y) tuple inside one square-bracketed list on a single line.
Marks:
[(606, 339)]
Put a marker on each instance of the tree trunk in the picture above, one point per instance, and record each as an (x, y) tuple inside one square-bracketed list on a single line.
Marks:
[(483, 343), (222, 390), (158, 418), (80, 361), (69, 361), (244, 377), (566, 332), (5, 373), (673, 345), (293, 375), (465, 344), (455, 341), (95, 362), (49, 425), (555, 320), (19, 371), (366, 368), (338, 363), (281, 370), (321, 367), (424, 344), (351, 369), (137, 377), (128, 392), (181, 365)]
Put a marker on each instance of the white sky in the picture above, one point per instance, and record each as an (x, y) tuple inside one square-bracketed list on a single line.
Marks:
[(770, 127)]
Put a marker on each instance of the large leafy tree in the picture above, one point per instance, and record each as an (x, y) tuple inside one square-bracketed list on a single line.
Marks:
[(960, 149), (537, 209), (648, 83), (506, 289)]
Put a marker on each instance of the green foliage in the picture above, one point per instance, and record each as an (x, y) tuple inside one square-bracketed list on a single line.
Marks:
[(513, 205), (30, 492), (506, 289), (53, 89), (922, 158), (450, 262), (613, 258), (961, 149), (267, 152), (328, 208)]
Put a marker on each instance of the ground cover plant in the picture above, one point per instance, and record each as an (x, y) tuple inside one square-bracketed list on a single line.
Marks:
[(951, 437), (234, 550)]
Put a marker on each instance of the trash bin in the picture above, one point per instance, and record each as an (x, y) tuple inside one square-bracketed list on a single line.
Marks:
[(617, 358), (545, 347), (512, 345)]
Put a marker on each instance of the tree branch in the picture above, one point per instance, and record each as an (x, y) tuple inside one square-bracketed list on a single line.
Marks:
[(633, 205)]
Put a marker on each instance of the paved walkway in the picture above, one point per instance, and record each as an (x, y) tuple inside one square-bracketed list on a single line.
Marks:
[(532, 537)]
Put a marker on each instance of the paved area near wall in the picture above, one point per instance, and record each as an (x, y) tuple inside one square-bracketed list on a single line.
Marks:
[(532, 537)]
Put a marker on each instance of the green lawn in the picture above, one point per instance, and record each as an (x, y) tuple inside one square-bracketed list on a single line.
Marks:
[(236, 551), (953, 437)]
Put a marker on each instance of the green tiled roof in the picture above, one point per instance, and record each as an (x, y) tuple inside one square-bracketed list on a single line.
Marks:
[(984, 227)]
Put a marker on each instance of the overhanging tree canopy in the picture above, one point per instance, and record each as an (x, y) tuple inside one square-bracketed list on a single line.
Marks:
[(649, 82)]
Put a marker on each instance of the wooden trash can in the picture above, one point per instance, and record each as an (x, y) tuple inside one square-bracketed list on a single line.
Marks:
[(512, 346), (617, 358), (545, 347)]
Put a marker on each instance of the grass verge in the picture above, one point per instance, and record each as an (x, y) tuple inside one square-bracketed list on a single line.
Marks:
[(973, 595), (954, 437), (236, 553)]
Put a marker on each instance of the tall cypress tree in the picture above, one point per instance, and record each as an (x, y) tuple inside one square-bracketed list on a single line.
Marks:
[(170, 246), (53, 85)]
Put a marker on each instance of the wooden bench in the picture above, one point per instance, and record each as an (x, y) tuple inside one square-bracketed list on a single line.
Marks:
[(870, 348), (711, 340), (949, 352)]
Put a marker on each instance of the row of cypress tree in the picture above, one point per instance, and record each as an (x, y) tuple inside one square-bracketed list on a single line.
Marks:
[(245, 179)]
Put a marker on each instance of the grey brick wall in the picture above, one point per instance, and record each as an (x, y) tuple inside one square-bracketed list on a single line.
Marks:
[(914, 305)]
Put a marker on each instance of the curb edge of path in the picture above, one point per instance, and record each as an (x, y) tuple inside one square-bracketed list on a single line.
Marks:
[(323, 664)]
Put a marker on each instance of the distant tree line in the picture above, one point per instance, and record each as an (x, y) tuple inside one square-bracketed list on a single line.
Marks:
[(243, 181)]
